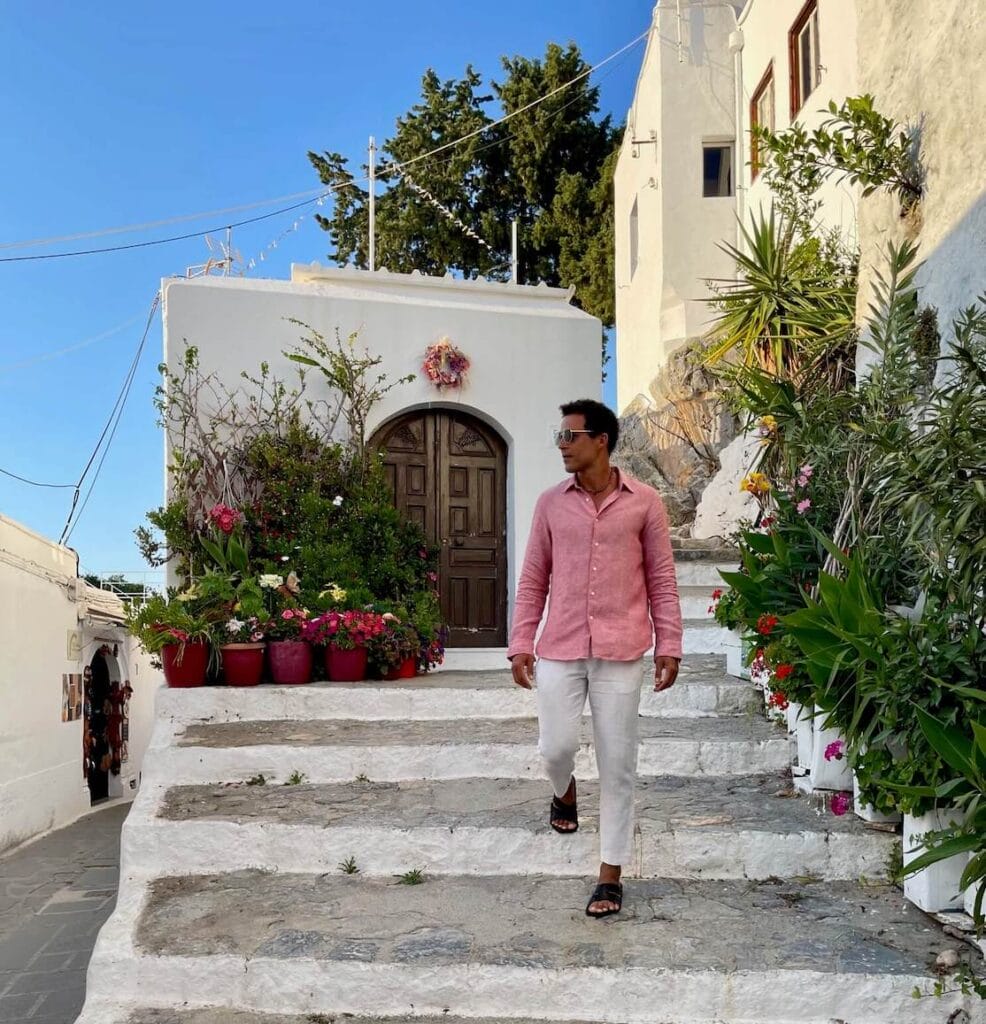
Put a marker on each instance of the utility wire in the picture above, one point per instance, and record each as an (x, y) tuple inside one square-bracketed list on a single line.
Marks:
[(130, 228), (34, 483), (46, 356), (392, 167), (117, 413)]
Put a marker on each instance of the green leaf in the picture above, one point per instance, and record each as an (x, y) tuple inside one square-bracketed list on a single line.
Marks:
[(948, 741)]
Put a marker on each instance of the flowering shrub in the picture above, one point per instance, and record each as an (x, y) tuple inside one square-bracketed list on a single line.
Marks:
[(343, 630), (395, 643), (778, 699), (766, 624), (249, 630), (289, 624)]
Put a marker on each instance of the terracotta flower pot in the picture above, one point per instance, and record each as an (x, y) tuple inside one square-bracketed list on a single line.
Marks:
[(185, 664), (345, 666), (290, 662), (243, 664)]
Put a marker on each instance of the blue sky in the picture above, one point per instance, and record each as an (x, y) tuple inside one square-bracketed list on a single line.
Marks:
[(118, 114)]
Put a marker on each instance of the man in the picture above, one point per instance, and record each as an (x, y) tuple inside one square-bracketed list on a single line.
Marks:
[(600, 542)]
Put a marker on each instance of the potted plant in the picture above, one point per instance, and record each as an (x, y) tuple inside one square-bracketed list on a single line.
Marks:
[(242, 650), (344, 636), (289, 655), (167, 628), (393, 654)]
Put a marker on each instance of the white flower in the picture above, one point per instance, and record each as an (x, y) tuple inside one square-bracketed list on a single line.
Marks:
[(337, 500), (234, 626), (285, 558), (270, 581)]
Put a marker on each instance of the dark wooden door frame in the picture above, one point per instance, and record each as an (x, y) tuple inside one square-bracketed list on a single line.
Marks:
[(448, 472)]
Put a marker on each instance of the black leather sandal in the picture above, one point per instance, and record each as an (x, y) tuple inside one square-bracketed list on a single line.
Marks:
[(564, 812), (605, 892)]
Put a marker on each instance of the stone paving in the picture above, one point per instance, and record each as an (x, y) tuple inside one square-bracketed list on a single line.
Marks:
[(767, 803), (539, 922), (55, 894), (437, 732)]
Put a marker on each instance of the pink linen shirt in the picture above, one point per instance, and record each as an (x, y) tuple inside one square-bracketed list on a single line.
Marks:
[(605, 569)]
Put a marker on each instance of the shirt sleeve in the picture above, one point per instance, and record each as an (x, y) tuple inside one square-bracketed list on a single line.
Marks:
[(532, 588), (662, 582)]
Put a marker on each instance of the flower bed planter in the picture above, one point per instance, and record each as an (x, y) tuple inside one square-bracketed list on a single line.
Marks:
[(935, 888), (290, 662), (243, 664), (735, 655), (828, 773), (804, 736), (185, 664), (345, 666), (867, 811)]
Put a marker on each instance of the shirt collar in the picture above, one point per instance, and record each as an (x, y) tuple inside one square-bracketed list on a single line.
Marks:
[(624, 482)]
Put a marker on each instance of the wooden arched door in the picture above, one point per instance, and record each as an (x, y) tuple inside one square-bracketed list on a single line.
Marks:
[(448, 472)]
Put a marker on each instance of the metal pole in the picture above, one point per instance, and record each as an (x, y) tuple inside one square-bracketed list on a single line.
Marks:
[(513, 253), (372, 255)]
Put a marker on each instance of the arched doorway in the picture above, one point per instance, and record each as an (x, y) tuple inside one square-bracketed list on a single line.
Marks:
[(448, 472)]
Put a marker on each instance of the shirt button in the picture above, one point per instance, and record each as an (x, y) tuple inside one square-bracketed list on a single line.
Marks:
[(591, 617)]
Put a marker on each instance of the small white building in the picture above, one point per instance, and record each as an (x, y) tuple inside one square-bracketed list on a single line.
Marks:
[(686, 175), (71, 733), (468, 464)]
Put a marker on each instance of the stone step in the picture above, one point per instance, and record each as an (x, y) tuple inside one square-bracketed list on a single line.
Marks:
[(745, 827), (704, 636), (219, 1015), (339, 750), (684, 951), (703, 688)]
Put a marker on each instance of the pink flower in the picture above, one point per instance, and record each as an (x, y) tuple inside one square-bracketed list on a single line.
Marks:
[(287, 614), (433, 577), (840, 803), (806, 471), (225, 517), (803, 506), (835, 751)]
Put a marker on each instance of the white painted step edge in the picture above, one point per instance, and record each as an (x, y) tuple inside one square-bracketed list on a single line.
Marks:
[(118, 977), (201, 765), (685, 699)]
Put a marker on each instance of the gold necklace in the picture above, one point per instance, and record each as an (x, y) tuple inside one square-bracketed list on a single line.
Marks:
[(604, 487)]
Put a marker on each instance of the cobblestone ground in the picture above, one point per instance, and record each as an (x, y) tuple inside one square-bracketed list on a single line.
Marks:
[(55, 894)]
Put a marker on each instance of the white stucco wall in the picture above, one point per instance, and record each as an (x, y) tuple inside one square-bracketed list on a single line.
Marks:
[(46, 630), (923, 61), (765, 25), (530, 351), (684, 102)]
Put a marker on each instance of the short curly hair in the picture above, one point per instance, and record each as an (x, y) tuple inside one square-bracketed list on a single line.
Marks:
[(599, 419)]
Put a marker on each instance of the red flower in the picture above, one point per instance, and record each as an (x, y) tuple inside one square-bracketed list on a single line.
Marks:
[(225, 517), (783, 671), (716, 594), (778, 699), (766, 623)]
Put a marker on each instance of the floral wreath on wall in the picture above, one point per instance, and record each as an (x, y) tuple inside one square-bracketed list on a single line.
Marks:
[(445, 365)]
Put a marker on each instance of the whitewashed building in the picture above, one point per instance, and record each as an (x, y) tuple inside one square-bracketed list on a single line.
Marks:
[(70, 735), (686, 176), (467, 463)]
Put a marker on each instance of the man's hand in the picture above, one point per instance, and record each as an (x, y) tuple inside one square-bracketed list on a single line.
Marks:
[(665, 673), (522, 666)]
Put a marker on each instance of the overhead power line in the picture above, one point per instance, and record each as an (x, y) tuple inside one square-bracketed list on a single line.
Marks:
[(392, 167), (116, 413), (34, 483)]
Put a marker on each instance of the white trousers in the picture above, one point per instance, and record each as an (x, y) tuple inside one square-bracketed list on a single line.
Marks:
[(613, 689)]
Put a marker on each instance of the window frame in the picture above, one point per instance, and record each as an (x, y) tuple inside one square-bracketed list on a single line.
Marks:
[(807, 16), (765, 84), (730, 145), (634, 232)]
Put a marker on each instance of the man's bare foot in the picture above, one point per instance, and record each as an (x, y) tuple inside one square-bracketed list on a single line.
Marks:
[(570, 822), (609, 874)]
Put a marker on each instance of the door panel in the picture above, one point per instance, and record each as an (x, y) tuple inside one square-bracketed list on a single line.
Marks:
[(447, 472)]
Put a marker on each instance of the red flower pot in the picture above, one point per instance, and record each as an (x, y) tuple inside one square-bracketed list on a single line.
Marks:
[(290, 661), (407, 669), (345, 666), (243, 664), (185, 664)]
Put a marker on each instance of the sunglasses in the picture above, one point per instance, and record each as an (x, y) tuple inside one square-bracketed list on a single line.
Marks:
[(567, 436)]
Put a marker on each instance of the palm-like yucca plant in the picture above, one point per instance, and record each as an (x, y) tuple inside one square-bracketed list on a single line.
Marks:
[(790, 307)]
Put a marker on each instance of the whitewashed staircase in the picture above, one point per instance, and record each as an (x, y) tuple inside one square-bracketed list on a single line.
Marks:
[(745, 904)]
